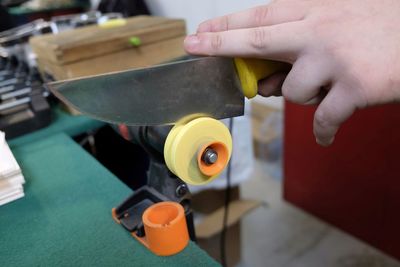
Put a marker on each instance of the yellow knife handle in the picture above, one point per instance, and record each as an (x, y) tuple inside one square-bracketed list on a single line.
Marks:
[(250, 71)]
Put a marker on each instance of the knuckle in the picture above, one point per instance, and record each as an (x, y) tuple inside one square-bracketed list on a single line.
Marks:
[(259, 38), (321, 24), (224, 24), (322, 118), (363, 85), (262, 14), (216, 42), (287, 92)]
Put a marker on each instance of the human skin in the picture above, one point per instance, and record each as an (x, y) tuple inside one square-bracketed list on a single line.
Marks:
[(345, 53)]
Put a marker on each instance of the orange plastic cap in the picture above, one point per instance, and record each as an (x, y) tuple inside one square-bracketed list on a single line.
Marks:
[(165, 228), (114, 216), (216, 167)]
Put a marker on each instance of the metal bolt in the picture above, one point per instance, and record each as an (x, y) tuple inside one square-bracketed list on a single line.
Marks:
[(181, 190), (210, 156)]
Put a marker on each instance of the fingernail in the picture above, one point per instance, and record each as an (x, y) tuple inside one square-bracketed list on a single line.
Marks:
[(326, 142), (191, 42)]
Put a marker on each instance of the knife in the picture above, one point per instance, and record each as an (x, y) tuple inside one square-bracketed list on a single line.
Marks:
[(164, 94)]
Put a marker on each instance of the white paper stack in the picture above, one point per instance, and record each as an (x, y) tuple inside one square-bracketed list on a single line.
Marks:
[(11, 179)]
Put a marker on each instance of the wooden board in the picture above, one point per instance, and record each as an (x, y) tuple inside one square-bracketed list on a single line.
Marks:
[(148, 55), (93, 41)]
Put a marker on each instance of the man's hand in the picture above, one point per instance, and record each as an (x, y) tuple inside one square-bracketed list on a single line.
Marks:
[(345, 53)]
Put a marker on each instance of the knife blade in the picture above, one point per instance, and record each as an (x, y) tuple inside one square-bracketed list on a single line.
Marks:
[(163, 94)]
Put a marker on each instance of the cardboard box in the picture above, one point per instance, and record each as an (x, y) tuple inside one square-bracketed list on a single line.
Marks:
[(210, 204), (95, 50), (266, 128)]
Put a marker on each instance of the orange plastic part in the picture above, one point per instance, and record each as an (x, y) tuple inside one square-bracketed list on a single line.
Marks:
[(165, 228), (219, 165), (114, 215)]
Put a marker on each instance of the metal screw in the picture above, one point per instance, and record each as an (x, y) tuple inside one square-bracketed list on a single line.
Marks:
[(210, 156), (181, 190)]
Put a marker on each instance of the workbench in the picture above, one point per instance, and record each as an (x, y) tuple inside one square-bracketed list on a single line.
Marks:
[(62, 122), (65, 217)]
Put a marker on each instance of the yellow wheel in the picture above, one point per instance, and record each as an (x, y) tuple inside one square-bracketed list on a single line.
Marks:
[(198, 150)]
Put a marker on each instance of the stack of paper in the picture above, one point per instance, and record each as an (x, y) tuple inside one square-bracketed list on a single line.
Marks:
[(11, 179)]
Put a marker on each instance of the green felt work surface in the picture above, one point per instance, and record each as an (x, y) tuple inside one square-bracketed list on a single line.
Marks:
[(63, 122), (65, 217)]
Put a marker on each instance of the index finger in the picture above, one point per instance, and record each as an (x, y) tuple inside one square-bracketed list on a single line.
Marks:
[(282, 42), (265, 15)]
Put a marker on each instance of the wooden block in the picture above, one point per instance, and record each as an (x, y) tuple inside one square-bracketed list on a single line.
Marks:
[(93, 41), (148, 55)]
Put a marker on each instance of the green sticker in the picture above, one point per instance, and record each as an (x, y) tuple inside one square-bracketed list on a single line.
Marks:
[(135, 41)]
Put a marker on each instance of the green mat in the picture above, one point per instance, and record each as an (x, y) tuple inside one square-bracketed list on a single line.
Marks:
[(62, 122), (65, 219)]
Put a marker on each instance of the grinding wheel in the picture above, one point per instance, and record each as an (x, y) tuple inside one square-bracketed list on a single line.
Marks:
[(186, 144)]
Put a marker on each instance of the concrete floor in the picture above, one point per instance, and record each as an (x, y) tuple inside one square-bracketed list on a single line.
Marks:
[(284, 236)]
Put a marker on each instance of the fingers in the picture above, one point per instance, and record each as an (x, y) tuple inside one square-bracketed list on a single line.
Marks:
[(255, 17), (317, 99), (336, 105), (305, 80), (279, 42), (272, 85), (334, 109)]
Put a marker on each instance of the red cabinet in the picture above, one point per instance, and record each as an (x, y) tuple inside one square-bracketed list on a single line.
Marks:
[(355, 183)]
